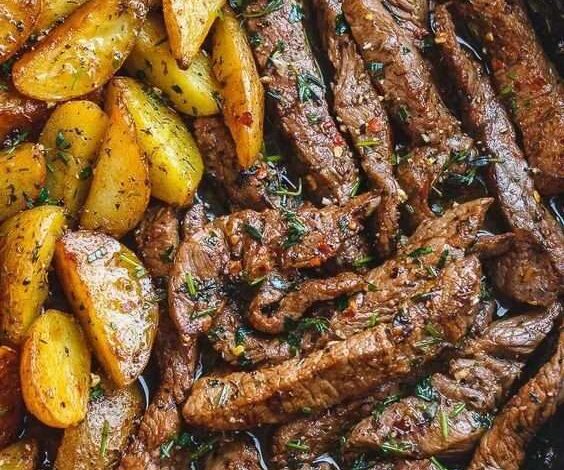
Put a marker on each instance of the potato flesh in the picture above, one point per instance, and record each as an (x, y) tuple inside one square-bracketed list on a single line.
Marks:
[(21, 455), (241, 89), (54, 11), (120, 188), (72, 137), (114, 299), (175, 163), (27, 243), (82, 53), (11, 404), (191, 91), (17, 18), (22, 175), (55, 370), (187, 25)]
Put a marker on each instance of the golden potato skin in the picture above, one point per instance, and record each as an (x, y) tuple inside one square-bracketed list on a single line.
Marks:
[(98, 441), (191, 91), (82, 53), (11, 403), (54, 11), (22, 175), (175, 163), (17, 18), (27, 243), (114, 299), (72, 137), (241, 89), (120, 188), (187, 25), (22, 455), (19, 112), (55, 370)]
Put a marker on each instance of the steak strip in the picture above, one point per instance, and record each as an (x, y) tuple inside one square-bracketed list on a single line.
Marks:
[(237, 454), (293, 81), (534, 272), (531, 86), (503, 446)]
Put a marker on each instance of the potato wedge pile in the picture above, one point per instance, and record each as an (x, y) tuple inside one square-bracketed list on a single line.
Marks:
[(97, 101)]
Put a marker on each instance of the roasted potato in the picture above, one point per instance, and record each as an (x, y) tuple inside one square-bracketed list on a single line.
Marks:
[(192, 91), (22, 175), (17, 18), (120, 189), (54, 11), (82, 53), (72, 138), (19, 112), (114, 298), (175, 163), (11, 404), (27, 243), (55, 370), (187, 25), (20, 456), (242, 91), (97, 442)]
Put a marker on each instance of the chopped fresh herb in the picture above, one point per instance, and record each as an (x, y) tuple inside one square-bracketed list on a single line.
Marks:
[(176, 89), (256, 281), (44, 198), (318, 324), (424, 390), (85, 173), (341, 25), (355, 188), (288, 192), (241, 335), (342, 303), (373, 320), (443, 259), (296, 230), (443, 423), (375, 68), (297, 444), (255, 39), (104, 438), (253, 232), (61, 142), (422, 296), (272, 158), (483, 420), (203, 449), (424, 250), (271, 6), (167, 255), (296, 13), (274, 94), (313, 118), (305, 83), (394, 447), (223, 395), (382, 405), (433, 331), (165, 450), (438, 465), (96, 392), (216, 95), (362, 262), (306, 410), (275, 57), (97, 254), (403, 113), (191, 285), (485, 290), (459, 408), (368, 143), (405, 50), (203, 313), (138, 269)]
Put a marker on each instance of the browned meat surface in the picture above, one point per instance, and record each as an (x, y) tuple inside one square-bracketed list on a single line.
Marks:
[(534, 271), (403, 77), (450, 412), (194, 219), (304, 439), (157, 239), (358, 109), (247, 245), (11, 401), (255, 188), (531, 86), (503, 446), (412, 16), (293, 82), (238, 454)]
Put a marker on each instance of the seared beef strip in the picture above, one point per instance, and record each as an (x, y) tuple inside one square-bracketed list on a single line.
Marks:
[(358, 108), (534, 271), (407, 465), (343, 370), (157, 239), (412, 16), (239, 454), (447, 414), (403, 76), (247, 245), (294, 84), (503, 446), (524, 76)]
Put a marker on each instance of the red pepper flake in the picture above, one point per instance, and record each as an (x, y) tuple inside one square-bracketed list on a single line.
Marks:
[(246, 119), (338, 140), (497, 64), (374, 125), (324, 248)]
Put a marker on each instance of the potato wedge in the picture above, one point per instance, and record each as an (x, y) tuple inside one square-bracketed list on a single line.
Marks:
[(55, 370), (19, 112), (120, 189), (82, 53), (241, 89), (27, 243), (22, 455), (72, 137), (175, 163), (192, 91), (55, 11), (22, 175), (97, 442), (17, 18), (187, 25), (11, 403), (114, 299)]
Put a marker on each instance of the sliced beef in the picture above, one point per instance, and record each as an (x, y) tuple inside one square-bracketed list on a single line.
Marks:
[(238, 454), (157, 239), (247, 245), (534, 271), (531, 86), (403, 77), (357, 107), (343, 370), (503, 446), (293, 82), (450, 412), (412, 16), (194, 219)]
